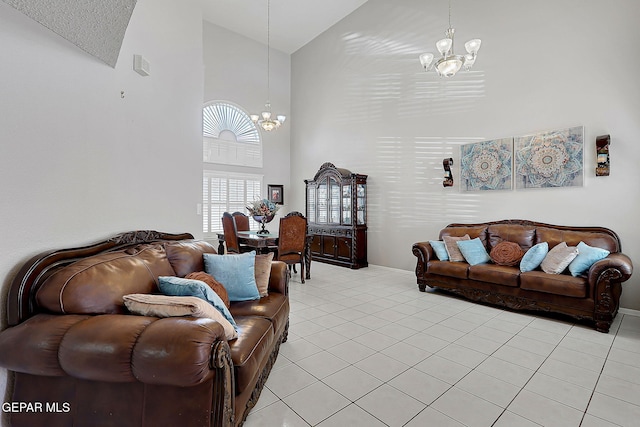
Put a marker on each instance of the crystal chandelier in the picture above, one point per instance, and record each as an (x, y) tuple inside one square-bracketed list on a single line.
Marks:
[(264, 119), (450, 63)]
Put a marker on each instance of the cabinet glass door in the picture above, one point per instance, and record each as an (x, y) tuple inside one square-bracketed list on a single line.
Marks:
[(323, 208), (361, 203), (346, 204), (311, 203), (334, 189)]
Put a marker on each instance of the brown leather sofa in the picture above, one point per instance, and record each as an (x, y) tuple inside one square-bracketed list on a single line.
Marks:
[(81, 359), (593, 296)]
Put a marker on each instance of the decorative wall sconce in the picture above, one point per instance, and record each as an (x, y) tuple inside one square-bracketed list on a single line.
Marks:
[(602, 153), (448, 177)]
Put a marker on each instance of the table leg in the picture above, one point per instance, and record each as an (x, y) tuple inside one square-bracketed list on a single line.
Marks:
[(220, 247)]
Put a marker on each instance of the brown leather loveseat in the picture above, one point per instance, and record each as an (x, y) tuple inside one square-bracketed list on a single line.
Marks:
[(593, 295), (80, 358)]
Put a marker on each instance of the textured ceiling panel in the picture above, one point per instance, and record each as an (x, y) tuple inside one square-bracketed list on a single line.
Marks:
[(95, 26)]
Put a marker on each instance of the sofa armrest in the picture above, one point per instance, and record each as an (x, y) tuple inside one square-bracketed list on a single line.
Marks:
[(605, 280), (617, 261), (279, 278), (174, 351), (32, 346), (424, 252)]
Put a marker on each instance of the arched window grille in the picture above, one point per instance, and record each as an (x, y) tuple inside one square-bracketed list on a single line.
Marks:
[(229, 136)]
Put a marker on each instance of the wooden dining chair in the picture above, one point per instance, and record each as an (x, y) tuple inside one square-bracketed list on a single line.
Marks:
[(231, 235), (291, 241), (241, 220)]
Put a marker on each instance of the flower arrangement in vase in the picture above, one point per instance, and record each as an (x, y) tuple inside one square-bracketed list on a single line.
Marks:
[(263, 211)]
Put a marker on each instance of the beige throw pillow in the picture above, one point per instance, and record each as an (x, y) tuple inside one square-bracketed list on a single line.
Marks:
[(171, 306), (263, 272), (452, 247), (558, 258)]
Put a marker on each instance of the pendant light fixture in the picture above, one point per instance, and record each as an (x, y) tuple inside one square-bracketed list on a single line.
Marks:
[(450, 63), (265, 119)]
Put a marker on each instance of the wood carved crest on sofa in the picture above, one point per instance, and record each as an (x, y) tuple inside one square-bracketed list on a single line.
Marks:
[(71, 340), (592, 295)]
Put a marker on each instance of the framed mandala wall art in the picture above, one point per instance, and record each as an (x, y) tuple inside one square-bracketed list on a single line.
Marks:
[(486, 165), (550, 159)]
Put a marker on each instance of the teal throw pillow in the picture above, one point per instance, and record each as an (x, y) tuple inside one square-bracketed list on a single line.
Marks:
[(473, 251), (236, 273), (587, 256), (179, 287), (440, 249), (534, 257)]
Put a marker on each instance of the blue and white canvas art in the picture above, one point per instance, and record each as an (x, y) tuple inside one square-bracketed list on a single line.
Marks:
[(486, 165), (550, 159)]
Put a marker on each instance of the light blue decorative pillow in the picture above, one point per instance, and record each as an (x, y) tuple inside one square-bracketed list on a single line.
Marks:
[(587, 256), (440, 249), (179, 287), (473, 251), (236, 273), (534, 257)]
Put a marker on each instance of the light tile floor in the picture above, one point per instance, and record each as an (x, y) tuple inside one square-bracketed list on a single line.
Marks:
[(366, 348)]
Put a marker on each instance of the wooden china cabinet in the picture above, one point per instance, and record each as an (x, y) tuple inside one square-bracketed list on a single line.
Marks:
[(336, 202)]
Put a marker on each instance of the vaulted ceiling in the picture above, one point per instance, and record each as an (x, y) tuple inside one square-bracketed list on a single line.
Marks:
[(98, 27), (294, 23)]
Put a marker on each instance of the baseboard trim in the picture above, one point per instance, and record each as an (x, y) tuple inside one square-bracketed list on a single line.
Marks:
[(629, 311)]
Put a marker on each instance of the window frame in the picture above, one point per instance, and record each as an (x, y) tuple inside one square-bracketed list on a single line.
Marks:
[(224, 117), (212, 209)]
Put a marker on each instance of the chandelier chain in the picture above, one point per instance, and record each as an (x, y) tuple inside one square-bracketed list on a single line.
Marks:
[(265, 120), (268, 51)]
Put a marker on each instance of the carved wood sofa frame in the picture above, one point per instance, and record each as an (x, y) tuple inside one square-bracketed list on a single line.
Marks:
[(605, 278)]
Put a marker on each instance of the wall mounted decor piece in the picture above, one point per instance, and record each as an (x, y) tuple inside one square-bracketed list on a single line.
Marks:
[(602, 153), (550, 159), (276, 193), (448, 176), (486, 165)]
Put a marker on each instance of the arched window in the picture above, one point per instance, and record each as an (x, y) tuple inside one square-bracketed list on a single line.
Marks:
[(229, 136)]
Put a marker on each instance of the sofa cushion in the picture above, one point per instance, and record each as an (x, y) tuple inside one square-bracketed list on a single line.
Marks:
[(179, 287), (458, 270), (558, 284), (186, 256), (274, 307), (453, 251), (473, 231), (507, 253), (587, 256), (572, 238), (492, 273), (96, 285), (250, 352), (178, 306), (236, 273), (440, 249), (473, 251), (216, 286), (262, 272), (520, 234), (558, 258), (534, 257)]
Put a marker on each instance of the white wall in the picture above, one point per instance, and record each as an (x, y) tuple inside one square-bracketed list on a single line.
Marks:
[(78, 162), (361, 101), (236, 71)]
